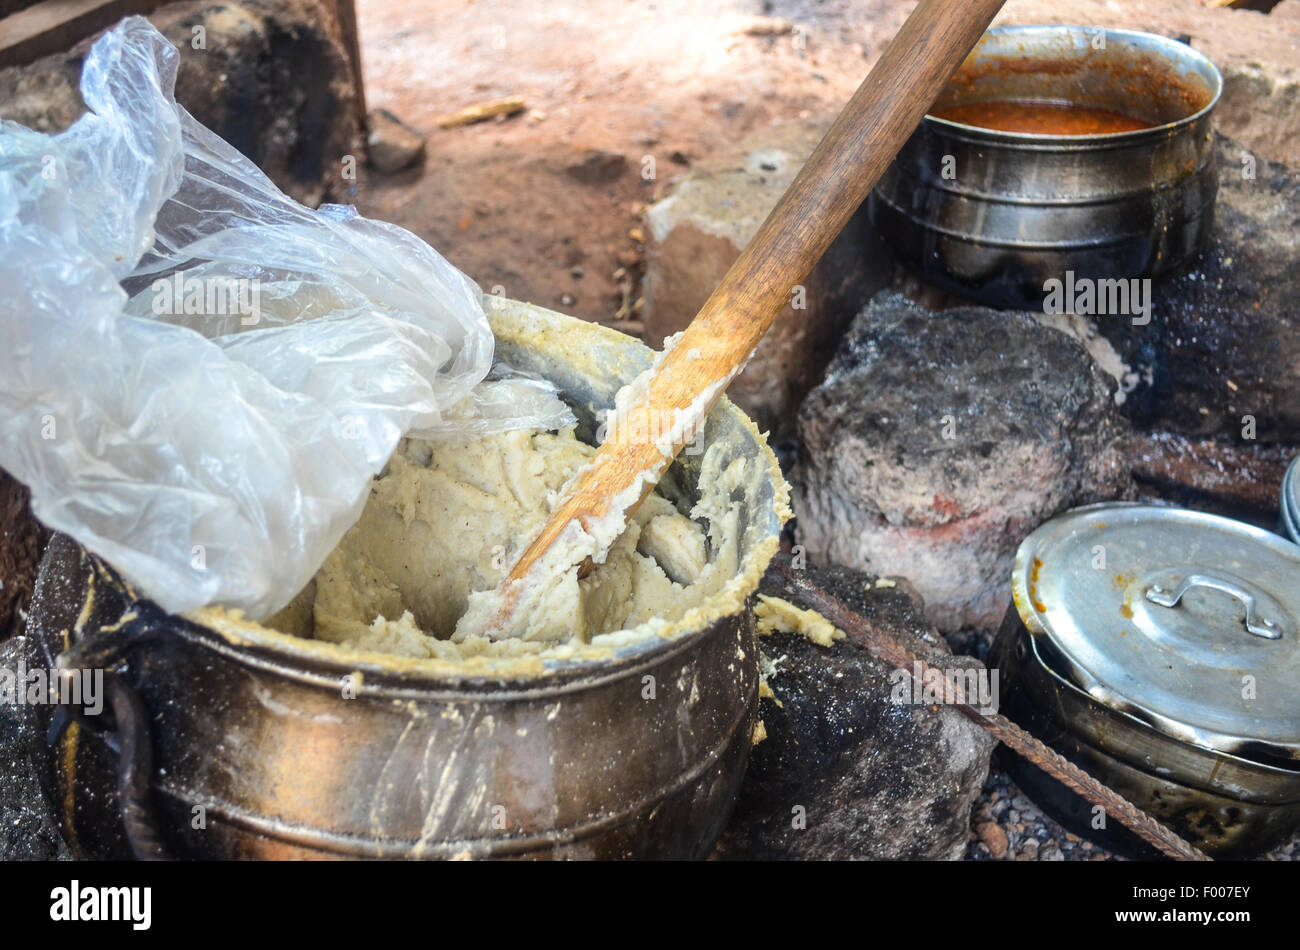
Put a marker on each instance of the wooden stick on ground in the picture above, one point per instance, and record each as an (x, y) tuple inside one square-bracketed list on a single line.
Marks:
[(482, 112)]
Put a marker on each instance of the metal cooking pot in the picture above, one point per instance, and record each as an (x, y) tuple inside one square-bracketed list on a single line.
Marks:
[(993, 215), (1291, 500), (231, 740), (1159, 649)]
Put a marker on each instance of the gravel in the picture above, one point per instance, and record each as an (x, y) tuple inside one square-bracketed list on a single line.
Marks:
[(1007, 826)]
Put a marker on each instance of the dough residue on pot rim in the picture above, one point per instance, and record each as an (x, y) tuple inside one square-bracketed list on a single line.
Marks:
[(446, 519)]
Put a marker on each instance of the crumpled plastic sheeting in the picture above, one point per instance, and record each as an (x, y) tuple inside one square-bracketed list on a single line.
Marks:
[(214, 458)]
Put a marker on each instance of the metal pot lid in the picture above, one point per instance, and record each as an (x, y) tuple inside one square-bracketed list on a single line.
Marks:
[(1291, 500), (1188, 621)]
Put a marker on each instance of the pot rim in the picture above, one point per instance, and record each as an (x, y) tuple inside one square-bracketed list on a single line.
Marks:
[(620, 654), (1133, 717), (1045, 141)]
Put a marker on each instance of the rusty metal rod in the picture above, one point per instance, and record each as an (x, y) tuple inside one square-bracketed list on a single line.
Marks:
[(1000, 727)]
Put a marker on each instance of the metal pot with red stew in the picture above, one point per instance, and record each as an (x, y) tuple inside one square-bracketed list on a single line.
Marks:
[(1056, 153)]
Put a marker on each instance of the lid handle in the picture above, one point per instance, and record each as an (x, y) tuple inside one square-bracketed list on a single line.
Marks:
[(1259, 626)]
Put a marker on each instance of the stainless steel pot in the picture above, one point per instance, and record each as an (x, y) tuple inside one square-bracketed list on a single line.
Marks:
[(231, 740), (1291, 500), (1158, 649), (994, 215)]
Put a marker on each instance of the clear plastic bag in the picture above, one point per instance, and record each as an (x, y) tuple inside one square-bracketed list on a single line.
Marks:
[(199, 376)]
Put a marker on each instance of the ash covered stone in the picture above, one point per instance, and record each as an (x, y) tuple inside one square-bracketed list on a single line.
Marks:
[(28, 827), (845, 772), (939, 440), (1224, 340)]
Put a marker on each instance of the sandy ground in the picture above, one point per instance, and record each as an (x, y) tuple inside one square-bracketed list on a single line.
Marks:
[(662, 84)]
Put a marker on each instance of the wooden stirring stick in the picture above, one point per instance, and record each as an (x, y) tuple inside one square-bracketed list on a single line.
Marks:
[(841, 172)]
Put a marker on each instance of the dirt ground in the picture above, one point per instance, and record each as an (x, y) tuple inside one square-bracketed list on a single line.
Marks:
[(623, 96)]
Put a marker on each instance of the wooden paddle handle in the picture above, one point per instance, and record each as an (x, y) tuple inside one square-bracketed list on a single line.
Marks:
[(841, 172)]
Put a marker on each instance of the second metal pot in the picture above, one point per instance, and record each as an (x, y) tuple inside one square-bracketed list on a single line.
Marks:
[(1156, 648)]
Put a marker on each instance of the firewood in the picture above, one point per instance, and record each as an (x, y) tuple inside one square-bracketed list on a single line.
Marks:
[(483, 111)]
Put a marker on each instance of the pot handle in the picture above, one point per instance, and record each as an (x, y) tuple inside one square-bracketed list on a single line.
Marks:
[(129, 738), (134, 771), (1259, 626), (130, 730)]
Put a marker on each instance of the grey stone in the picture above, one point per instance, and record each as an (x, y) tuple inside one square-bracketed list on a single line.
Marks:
[(875, 779), (391, 144), (597, 167), (43, 96), (939, 440)]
